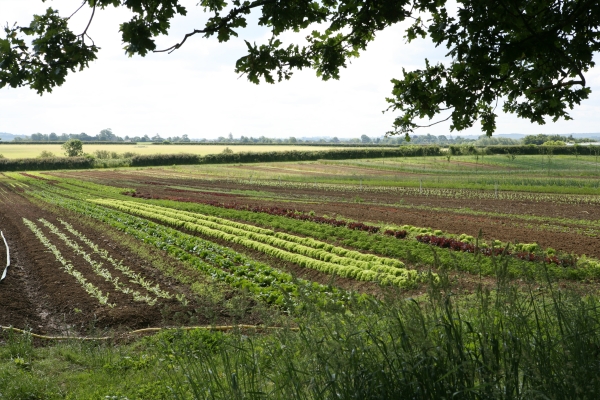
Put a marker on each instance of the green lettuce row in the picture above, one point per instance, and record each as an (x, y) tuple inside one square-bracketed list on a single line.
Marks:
[(317, 244), (95, 190), (310, 242), (383, 274), (172, 216), (266, 283)]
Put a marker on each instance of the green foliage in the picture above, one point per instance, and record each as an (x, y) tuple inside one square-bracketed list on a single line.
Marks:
[(554, 143), (249, 157), (410, 251), (535, 55), (45, 164), (46, 154), (478, 346), (534, 150), (73, 148), (541, 138), (56, 51)]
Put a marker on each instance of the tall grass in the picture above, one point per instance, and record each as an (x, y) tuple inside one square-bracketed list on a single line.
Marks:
[(506, 342), (496, 344)]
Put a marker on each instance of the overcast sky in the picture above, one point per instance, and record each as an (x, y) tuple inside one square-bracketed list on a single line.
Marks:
[(195, 91)]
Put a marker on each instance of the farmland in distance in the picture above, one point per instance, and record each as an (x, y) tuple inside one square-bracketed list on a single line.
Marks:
[(32, 150)]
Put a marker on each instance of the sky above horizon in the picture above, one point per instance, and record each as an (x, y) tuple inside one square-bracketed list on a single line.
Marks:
[(195, 90)]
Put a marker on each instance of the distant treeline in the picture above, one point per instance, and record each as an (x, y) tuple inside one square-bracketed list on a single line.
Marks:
[(529, 149), (107, 136), (33, 164), (61, 142)]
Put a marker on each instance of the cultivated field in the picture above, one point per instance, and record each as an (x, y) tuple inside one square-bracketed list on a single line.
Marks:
[(34, 150), (384, 278)]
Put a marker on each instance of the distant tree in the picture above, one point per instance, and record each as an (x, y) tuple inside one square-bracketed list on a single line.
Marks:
[(73, 148), (39, 137), (554, 143), (541, 139), (292, 140), (53, 137), (106, 135), (335, 140), (46, 154), (365, 139)]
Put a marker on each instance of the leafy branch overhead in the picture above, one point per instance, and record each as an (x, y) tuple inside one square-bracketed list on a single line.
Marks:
[(532, 57)]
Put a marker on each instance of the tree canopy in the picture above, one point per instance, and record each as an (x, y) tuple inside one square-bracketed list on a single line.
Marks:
[(532, 56)]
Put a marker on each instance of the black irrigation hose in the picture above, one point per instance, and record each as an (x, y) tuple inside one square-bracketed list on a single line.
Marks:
[(7, 257), (221, 328)]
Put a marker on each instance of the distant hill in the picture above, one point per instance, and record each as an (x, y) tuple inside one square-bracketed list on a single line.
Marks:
[(7, 137)]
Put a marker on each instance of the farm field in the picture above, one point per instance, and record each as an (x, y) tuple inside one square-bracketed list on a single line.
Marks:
[(382, 278), (34, 150)]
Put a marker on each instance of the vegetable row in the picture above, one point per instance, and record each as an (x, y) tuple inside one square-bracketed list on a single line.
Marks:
[(287, 247), (221, 263)]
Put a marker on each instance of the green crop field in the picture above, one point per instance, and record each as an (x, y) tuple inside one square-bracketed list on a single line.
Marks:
[(401, 277), (529, 173)]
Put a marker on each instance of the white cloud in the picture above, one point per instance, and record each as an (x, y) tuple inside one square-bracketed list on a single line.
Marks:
[(195, 91)]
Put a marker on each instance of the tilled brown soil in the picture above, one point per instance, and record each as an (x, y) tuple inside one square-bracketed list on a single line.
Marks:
[(500, 228), (39, 294), (157, 184)]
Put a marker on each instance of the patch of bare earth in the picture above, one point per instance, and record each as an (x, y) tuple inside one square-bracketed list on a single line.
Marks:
[(38, 293)]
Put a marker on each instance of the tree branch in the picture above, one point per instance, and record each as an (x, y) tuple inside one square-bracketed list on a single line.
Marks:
[(435, 123), (76, 11), (232, 14), (560, 85), (84, 33)]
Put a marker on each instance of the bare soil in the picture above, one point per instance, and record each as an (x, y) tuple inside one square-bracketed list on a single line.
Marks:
[(39, 294)]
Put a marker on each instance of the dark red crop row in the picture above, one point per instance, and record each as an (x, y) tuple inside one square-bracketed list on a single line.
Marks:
[(397, 234), (457, 245)]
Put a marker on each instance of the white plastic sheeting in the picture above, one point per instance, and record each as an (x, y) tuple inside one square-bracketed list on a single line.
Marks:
[(7, 257)]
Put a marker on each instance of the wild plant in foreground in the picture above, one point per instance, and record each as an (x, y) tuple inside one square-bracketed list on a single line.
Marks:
[(506, 343)]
